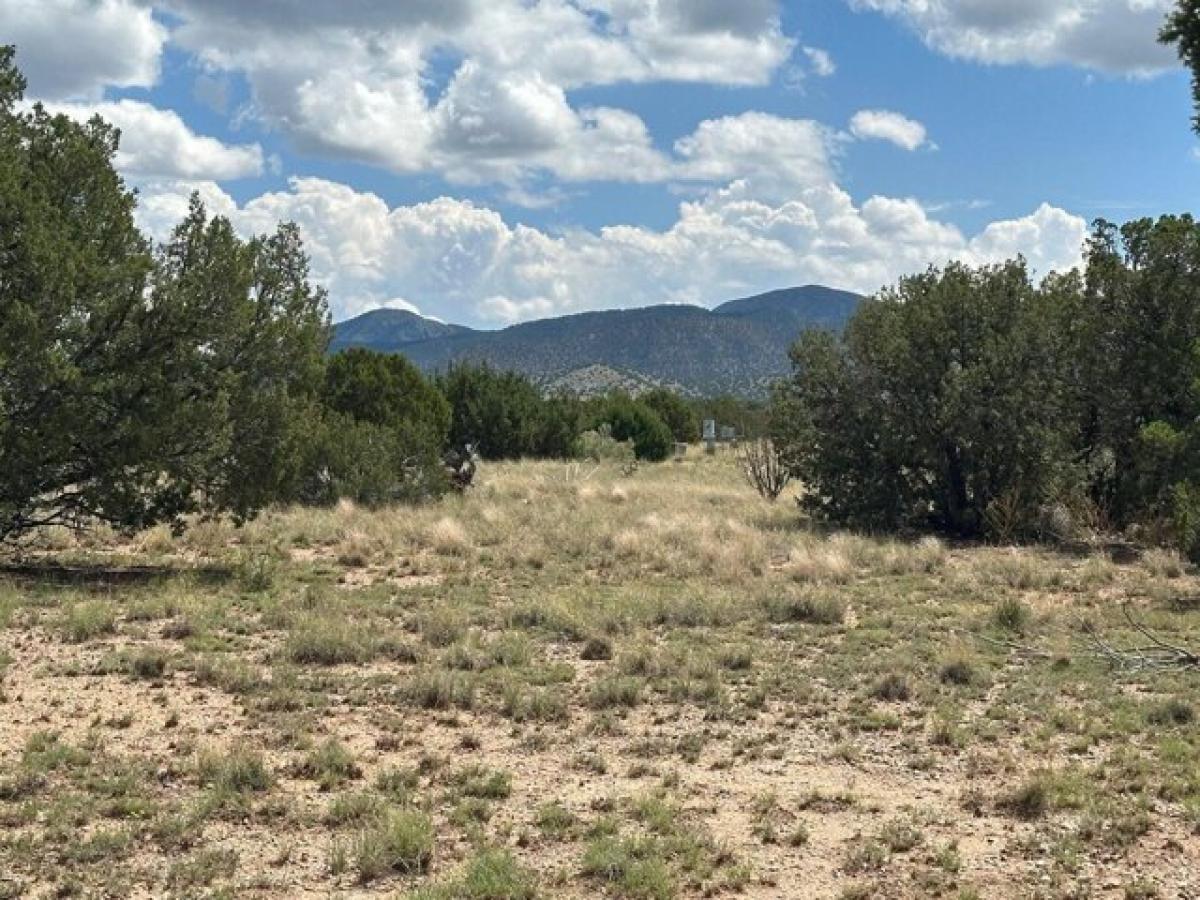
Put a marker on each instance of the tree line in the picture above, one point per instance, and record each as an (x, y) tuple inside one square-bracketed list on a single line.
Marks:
[(144, 383), (978, 402)]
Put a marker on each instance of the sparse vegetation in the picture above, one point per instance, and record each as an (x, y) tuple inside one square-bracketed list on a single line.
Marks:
[(275, 622), (401, 842), (412, 702)]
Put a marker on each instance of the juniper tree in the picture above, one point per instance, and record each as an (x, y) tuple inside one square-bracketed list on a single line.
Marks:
[(945, 394), (137, 385), (1182, 28)]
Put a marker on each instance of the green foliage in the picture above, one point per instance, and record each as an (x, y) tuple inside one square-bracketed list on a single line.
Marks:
[(680, 417), (386, 390), (599, 445), (496, 875), (974, 401), (380, 433), (634, 865), (139, 384), (491, 874), (330, 765), (631, 420), (559, 423), (1139, 361), (401, 842), (946, 394), (1182, 29), (505, 417), (89, 620), (237, 771)]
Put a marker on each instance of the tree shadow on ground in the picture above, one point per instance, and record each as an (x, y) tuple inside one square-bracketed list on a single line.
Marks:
[(101, 575)]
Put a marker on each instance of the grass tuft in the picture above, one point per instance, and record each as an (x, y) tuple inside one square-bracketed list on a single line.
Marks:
[(401, 842)]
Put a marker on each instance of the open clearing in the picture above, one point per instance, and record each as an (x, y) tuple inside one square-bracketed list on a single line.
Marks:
[(575, 683)]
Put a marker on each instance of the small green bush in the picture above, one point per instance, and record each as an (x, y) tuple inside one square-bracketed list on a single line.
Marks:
[(1010, 614), (598, 445), (238, 771), (399, 843)]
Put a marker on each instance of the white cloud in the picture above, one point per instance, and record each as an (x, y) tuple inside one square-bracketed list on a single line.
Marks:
[(821, 62), (1108, 35), (884, 125), (367, 81), (72, 49), (1040, 237), (810, 62), (156, 143), (481, 91), (355, 81), (498, 129), (779, 153), (400, 303), (463, 262)]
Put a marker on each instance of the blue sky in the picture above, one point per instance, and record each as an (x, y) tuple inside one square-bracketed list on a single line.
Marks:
[(492, 162)]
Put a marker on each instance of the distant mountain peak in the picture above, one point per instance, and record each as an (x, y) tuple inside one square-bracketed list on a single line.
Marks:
[(813, 304), (739, 347), (389, 329)]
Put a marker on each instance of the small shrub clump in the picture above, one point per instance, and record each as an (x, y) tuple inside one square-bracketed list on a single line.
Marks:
[(401, 842)]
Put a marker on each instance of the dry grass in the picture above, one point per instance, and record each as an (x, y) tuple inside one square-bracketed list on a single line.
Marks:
[(573, 683)]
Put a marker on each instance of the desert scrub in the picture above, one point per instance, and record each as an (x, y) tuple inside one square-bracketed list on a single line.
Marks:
[(554, 820), (353, 809), (1010, 614), (627, 669), (892, 687), (491, 874), (401, 842), (433, 688), (330, 765), (808, 608), (46, 751), (88, 620), (1029, 800), (958, 670), (150, 664), (524, 704), (478, 782), (237, 771), (616, 691), (329, 641), (634, 866)]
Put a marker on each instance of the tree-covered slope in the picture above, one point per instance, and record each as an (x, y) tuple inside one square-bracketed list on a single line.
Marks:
[(739, 347)]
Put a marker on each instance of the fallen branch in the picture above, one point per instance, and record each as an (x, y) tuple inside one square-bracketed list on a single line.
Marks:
[(1013, 647), (1158, 655)]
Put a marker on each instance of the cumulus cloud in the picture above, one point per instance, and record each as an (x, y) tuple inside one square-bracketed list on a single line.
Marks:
[(367, 80), (463, 262), (355, 80), (754, 143), (74, 48), (884, 125), (1107, 35), (156, 143), (482, 91), (497, 129)]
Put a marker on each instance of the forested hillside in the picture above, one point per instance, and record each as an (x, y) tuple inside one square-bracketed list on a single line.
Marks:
[(740, 347)]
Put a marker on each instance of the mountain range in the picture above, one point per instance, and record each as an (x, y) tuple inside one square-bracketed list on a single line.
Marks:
[(739, 347)]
